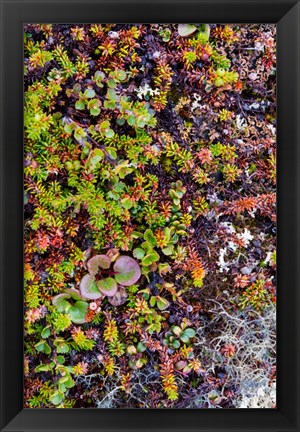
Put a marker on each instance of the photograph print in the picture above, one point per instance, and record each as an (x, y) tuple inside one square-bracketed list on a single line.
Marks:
[(149, 215)]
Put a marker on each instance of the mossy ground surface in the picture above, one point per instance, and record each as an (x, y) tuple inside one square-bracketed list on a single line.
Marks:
[(156, 143)]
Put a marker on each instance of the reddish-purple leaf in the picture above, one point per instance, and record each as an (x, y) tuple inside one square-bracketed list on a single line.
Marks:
[(88, 288), (107, 286), (98, 262), (119, 298), (128, 270)]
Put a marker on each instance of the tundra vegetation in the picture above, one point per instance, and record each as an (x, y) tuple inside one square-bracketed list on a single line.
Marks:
[(150, 216)]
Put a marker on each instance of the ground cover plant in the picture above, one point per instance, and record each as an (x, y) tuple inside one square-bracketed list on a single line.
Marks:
[(150, 216)]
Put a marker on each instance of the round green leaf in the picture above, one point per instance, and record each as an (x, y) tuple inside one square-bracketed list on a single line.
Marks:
[(149, 237), (167, 250), (60, 359), (147, 260), (63, 348), (131, 120), (128, 270), (111, 83), (140, 123), (95, 157), (109, 104), (104, 125), (109, 133), (120, 75), (112, 152), (56, 398), (69, 128), (162, 303), (152, 301), (43, 368), (98, 77), (141, 347), (79, 134), (46, 332), (184, 337), (111, 94), (138, 253), (95, 111), (88, 288), (176, 344), (78, 312), (150, 258), (189, 332), (89, 93), (79, 104), (126, 203), (93, 106), (176, 330), (60, 302), (108, 286), (42, 346)]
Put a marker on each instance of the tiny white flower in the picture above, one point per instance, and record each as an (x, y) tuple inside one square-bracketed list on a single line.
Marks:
[(93, 306)]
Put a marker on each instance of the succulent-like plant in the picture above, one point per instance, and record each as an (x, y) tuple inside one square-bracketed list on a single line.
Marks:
[(103, 281), (105, 130), (165, 33), (164, 239), (176, 192), (83, 97), (146, 252), (115, 77), (72, 303), (160, 302), (98, 78), (176, 335)]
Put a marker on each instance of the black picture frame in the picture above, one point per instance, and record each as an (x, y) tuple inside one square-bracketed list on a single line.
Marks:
[(286, 13)]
